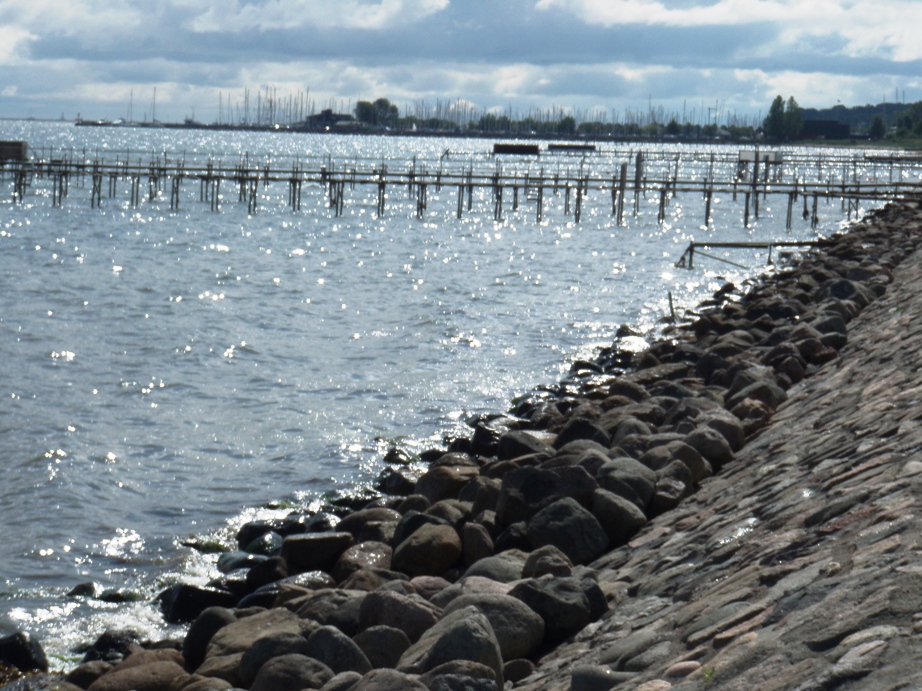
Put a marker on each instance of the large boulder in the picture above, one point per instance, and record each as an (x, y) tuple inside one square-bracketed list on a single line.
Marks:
[(315, 551), (515, 443), (291, 672), (560, 602), (383, 645), (569, 527), (430, 551), (465, 634), (155, 676), (266, 649), (620, 518), (504, 567), (445, 481), (527, 490), (518, 628), (410, 613), (389, 680), (337, 651), (23, 652), (365, 555), (241, 634), (628, 478)]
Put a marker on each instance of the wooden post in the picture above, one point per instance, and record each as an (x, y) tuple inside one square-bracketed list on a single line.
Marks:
[(622, 189), (707, 207)]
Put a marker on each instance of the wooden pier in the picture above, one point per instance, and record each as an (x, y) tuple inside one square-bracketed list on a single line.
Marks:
[(748, 177)]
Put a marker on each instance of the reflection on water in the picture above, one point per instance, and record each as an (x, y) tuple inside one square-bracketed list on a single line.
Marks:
[(165, 370)]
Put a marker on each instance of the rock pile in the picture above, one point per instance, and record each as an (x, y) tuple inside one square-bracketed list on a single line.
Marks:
[(517, 545)]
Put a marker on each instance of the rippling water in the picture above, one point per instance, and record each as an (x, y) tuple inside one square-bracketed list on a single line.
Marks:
[(168, 373)]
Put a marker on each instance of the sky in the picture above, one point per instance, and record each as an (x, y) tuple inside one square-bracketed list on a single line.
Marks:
[(705, 60)]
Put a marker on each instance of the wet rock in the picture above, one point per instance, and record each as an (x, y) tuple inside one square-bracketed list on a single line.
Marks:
[(85, 674), (316, 551), (445, 482), (184, 602), (365, 555), (269, 571), (515, 443), (23, 652), (355, 522), (113, 646)]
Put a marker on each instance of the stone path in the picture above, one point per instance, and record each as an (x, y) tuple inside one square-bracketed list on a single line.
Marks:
[(800, 565)]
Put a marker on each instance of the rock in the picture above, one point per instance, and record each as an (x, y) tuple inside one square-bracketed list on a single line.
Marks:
[(514, 444), (382, 645), (231, 561), (596, 678), (113, 646), (344, 681), (476, 543), (156, 676), (580, 429), (184, 602), (428, 587), (504, 567), (320, 605), (514, 537), (271, 570), (445, 482), (711, 445), (291, 672), (519, 630), (23, 652), (388, 680), (528, 490), (620, 473), (199, 683), (413, 521), (370, 579), (660, 457), (728, 425), (267, 648), (315, 551), (516, 670), (620, 518), (225, 667), (364, 555), (469, 585), (771, 395), (547, 560), (465, 634), (431, 550), (240, 635), (453, 511), (682, 669), (337, 651), (85, 674), (355, 522), (460, 675), (560, 602), (571, 528), (410, 613)]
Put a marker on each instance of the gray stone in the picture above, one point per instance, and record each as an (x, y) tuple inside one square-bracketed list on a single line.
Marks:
[(560, 602), (465, 634), (365, 555), (476, 543), (241, 634), (314, 551), (445, 482), (659, 457), (291, 672), (504, 567), (597, 678), (355, 522), (514, 444), (528, 490), (337, 651), (712, 446), (620, 518), (267, 648), (388, 680), (429, 551), (344, 681), (547, 560), (626, 472), (571, 528), (410, 613), (382, 645), (518, 629)]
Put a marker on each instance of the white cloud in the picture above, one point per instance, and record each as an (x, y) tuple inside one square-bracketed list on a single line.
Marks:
[(92, 18), (866, 28), (294, 14)]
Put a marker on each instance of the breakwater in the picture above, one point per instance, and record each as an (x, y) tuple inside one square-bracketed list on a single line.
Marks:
[(613, 456)]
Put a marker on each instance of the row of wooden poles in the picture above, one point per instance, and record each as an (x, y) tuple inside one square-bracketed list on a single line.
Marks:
[(754, 180)]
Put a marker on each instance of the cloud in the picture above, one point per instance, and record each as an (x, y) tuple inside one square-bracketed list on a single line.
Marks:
[(293, 14)]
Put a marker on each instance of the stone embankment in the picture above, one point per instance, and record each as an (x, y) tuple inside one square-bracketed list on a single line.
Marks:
[(737, 511)]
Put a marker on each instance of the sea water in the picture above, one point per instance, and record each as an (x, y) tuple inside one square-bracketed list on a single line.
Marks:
[(168, 375)]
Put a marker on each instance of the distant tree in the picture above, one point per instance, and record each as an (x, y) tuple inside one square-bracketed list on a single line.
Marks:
[(774, 121), (673, 128), (793, 119), (365, 112), (566, 125), (878, 130)]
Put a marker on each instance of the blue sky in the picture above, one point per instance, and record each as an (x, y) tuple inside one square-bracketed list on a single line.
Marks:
[(610, 57)]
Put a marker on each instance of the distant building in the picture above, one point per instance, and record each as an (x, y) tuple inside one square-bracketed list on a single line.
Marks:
[(328, 121), (826, 129)]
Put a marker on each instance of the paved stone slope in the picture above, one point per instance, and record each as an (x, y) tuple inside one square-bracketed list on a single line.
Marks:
[(799, 566)]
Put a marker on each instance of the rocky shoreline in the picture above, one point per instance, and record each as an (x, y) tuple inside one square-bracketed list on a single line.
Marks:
[(733, 508)]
